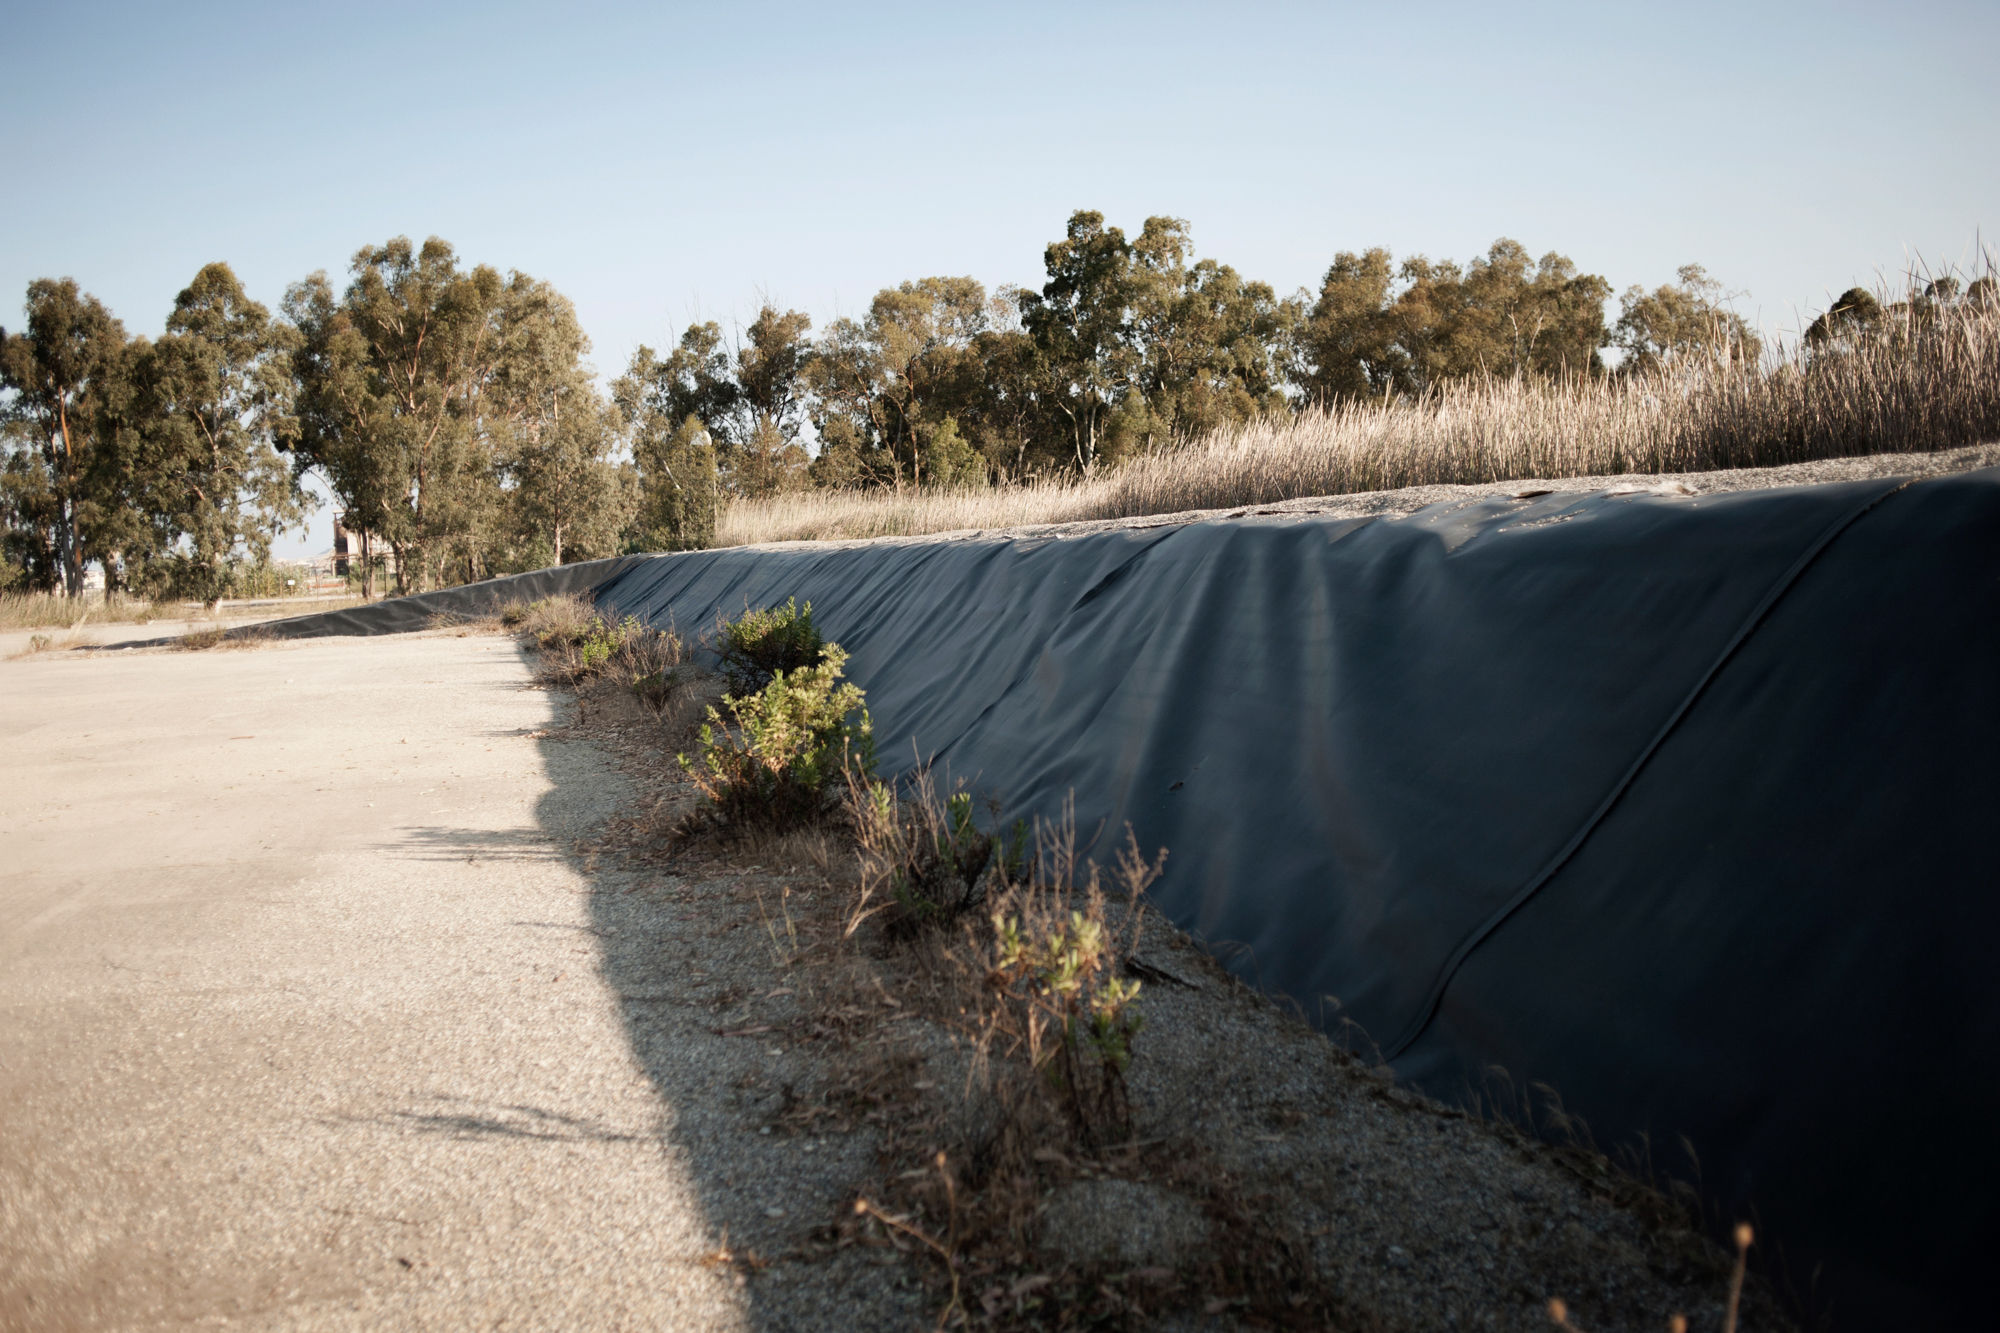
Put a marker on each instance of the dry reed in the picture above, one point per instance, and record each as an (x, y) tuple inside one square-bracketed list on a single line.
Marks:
[(1927, 378)]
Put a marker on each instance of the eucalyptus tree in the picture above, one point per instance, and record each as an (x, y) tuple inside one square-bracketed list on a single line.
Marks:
[(696, 378), (554, 431), (1689, 320), (1373, 332), (1346, 346), (197, 458), (772, 386), (887, 384), (63, 377), (679, 491), (1208, 347), (391, 380), (1080, 325)]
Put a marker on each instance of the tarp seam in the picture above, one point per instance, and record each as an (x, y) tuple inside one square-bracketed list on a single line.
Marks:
[(1756, 617)]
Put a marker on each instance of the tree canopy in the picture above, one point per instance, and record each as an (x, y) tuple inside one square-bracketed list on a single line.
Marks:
[(452, 412)]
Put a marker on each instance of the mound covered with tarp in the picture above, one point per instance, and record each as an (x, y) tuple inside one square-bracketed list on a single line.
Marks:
[(1678, 806)]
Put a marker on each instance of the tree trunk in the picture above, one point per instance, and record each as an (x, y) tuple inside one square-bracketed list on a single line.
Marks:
[(72, 555)]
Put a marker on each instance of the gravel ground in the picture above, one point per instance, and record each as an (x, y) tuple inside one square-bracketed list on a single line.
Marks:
[(311, 1021)]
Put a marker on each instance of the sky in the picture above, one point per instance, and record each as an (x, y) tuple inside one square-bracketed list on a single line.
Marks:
[(663, 163)]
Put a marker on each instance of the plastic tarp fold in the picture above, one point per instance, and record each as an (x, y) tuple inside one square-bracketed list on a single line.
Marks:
[(1679, 805)]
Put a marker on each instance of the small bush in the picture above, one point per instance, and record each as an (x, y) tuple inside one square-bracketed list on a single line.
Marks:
[(600, 642), (1054, 978), (927, 861), (656, 689), (787, 750), (514, 615), (766, 641)]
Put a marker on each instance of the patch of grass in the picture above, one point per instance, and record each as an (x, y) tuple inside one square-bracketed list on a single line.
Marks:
[(765, 641), (36, 610), (555, 621), (578, 644)]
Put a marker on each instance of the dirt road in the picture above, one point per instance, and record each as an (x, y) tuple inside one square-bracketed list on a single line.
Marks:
[(308, 1018)]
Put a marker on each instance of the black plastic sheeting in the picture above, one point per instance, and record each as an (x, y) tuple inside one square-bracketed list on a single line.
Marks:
[(1683, 807)]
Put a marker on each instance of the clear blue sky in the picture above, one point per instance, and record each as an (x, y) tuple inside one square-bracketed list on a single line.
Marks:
[(659, 162)]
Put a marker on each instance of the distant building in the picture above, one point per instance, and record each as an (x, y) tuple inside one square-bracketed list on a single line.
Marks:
[(359, 545)]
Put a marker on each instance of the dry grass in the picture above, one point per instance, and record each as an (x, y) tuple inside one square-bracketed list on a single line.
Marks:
[(579, 643), (36, 610), (39, 610), (219, 636), (53, 643), (1918, 384)]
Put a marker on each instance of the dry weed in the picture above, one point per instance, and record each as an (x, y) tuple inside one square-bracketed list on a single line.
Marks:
[(577, 642), (218, 636), (39, 610), (54, 643)]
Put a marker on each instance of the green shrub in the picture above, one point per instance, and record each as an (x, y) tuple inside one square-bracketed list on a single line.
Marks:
[(599, 642), (765, 641), (787, 750), (1069, 969)]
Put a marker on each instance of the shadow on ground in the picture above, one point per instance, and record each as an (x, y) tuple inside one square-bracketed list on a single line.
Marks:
[(689, 955)]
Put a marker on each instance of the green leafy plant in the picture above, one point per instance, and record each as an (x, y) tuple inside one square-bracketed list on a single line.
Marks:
[(601, 640), (767, 640), (784, 753), (1055, 972)]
